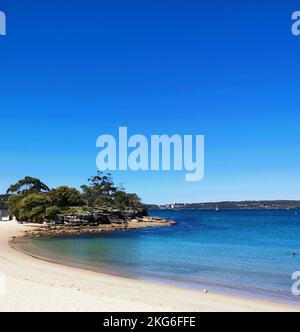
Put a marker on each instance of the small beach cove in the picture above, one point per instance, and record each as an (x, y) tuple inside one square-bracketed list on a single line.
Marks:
[(27, 276)]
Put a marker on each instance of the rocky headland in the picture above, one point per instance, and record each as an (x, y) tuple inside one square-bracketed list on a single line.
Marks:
[(95, 222)]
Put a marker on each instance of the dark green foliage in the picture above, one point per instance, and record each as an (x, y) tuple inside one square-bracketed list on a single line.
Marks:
[(64, 196), (32, 201), (3, 202), (13, 204), (52, 212), (28, 185), (33, 207), (99, 191), (122, 200)]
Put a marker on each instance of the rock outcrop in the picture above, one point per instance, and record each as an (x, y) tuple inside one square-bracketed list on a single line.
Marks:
[(57, 230), (98, 217)]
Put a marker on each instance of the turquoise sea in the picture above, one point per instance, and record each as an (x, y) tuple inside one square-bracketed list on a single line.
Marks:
[(246, 252)]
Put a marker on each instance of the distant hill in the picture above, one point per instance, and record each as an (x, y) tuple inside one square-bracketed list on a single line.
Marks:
[(278, 204)]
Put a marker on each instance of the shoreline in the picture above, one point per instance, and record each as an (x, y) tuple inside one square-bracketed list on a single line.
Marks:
[(48, 230), (34, 284), (212, 289)]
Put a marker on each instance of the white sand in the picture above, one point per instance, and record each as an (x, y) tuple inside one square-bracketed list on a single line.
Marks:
[(37, 285)]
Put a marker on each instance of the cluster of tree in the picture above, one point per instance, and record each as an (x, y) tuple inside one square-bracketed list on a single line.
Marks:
[(31, 200)]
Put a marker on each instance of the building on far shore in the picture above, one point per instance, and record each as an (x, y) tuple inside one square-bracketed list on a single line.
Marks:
[(172, 206)]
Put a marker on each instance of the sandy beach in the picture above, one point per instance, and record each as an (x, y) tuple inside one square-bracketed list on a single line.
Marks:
[(37, 285)]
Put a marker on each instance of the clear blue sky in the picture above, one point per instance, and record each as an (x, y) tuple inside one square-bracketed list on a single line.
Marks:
[(73, 70)]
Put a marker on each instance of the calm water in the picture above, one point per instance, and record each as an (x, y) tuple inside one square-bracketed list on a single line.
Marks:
[(247, 252)]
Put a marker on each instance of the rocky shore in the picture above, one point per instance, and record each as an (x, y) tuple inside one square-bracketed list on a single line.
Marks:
[(77, 228)]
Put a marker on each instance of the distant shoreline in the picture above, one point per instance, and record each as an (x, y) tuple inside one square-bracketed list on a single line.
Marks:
[(224, 209), (233, 205)]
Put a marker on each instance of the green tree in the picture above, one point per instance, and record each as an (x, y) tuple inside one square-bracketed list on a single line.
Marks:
[(33, 207), (134, 201), (123, 200), (120, 199), (13, 204), (26, 186), (65, 196), (52, 212), (99, 191)]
